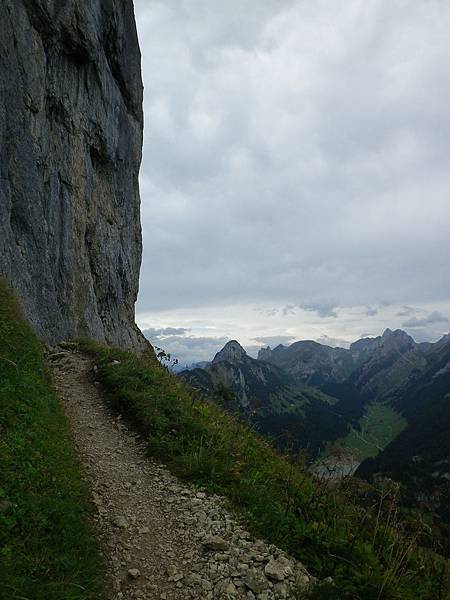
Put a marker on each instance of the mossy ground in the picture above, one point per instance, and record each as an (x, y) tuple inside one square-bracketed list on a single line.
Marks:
[(47, 551), (351, 533)]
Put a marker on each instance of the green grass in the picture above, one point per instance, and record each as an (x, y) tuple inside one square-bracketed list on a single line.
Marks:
[(351, 534), (47, 551), (294, 401), (379, 425)]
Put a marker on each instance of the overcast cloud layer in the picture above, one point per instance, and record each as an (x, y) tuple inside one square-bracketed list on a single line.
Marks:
[(295, 180)]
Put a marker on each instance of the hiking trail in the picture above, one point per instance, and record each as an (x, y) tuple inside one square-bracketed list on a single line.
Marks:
[(161, 539)]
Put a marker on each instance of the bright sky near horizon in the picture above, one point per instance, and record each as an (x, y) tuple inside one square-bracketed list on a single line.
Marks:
[(295, 181)]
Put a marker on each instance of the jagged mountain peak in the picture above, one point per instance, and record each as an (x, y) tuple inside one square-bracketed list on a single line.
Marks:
[(365, 343), (264, 353), (399, 333), (232, 351), (397, 337), (390, 338)]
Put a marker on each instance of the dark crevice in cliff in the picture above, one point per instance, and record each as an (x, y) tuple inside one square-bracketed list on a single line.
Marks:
[(111, 53)]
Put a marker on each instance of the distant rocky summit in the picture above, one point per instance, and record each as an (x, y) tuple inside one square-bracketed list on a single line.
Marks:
[(314, 394), (71, 136), (232, 351), (373, 364), (268, 398), (385, 399)]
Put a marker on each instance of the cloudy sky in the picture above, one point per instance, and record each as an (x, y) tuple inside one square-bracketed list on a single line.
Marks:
[(296, 180)]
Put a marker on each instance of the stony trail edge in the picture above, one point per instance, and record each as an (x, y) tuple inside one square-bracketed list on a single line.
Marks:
[(161, 539)]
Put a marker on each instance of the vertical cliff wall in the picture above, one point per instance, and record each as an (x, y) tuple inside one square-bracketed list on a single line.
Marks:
[(70, 150)]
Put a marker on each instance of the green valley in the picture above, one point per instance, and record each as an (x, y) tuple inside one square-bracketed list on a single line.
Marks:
[(379, 425)]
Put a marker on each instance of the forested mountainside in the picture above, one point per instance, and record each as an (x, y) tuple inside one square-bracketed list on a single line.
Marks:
[(420, 455), (313, 394), (71, 124)]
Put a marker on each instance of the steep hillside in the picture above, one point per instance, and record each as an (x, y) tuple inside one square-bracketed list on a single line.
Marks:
[(383, 366), (373, 370), (47, 548), (385, 363), (420, 455), (256, 385), (169, 532), (71, 135), (349, 532)]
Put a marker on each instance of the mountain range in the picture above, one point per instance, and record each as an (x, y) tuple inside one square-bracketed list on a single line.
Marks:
[(385, 400), (419, 456)]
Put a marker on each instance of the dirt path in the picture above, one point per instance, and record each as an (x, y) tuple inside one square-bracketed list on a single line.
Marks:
[(162, 539)]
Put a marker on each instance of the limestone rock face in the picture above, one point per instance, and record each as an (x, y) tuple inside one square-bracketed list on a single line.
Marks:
[(70, 141), (232, 351)]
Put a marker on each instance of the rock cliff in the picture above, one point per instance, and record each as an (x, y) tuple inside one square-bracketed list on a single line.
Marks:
[(70, 138)]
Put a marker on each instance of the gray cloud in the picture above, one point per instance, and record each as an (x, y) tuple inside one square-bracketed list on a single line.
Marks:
[(288, 152), (431, 319), (271, 312), (406, 311), (165, 331), (289, 309), (274, 340), (425, 334), (322, 309)]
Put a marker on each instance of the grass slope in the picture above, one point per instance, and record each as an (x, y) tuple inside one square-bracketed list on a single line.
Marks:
[(379, 425), (330, 529), (47, 551)]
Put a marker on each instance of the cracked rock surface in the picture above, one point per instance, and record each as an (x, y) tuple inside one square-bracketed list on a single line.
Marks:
[(71, 137), (162, 539)]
